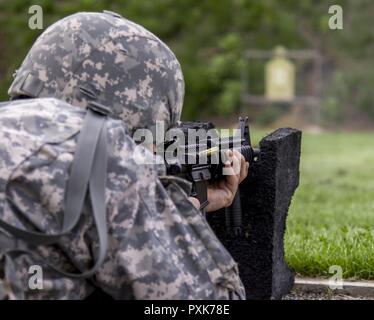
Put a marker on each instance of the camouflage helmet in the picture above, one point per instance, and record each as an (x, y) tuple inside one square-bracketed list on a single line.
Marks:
[(106, 58)]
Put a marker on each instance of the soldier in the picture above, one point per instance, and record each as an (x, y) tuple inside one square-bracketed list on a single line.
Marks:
[(73, 199)]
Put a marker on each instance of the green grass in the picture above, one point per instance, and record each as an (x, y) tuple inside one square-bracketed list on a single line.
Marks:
[(331, 219)]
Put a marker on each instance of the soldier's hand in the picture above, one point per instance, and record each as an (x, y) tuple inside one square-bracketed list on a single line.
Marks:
[(195, 202), (221, 194)]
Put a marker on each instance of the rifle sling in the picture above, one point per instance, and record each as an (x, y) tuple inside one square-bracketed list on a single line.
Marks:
[(88, 171)]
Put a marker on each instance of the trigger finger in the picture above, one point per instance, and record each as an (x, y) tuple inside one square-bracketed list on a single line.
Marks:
[(236, 163)]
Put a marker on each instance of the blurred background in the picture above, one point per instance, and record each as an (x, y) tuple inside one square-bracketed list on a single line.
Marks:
[(278, 62)]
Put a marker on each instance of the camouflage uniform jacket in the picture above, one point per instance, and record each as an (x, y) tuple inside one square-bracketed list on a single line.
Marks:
[(160, 246)]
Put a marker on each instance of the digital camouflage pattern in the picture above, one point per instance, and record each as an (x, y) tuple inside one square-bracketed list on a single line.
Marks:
[(109, 59), (160, 246)]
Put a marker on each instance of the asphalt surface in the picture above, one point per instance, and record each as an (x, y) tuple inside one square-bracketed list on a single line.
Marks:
[(322, 296)]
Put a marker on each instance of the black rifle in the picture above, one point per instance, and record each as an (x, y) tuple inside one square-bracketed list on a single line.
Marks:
[(202, 162)]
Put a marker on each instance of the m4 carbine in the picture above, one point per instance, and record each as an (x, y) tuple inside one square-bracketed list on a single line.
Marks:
[(202, 161)]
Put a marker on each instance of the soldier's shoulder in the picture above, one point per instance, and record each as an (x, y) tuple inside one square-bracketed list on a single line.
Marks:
[(46, 118), (38, 105)]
